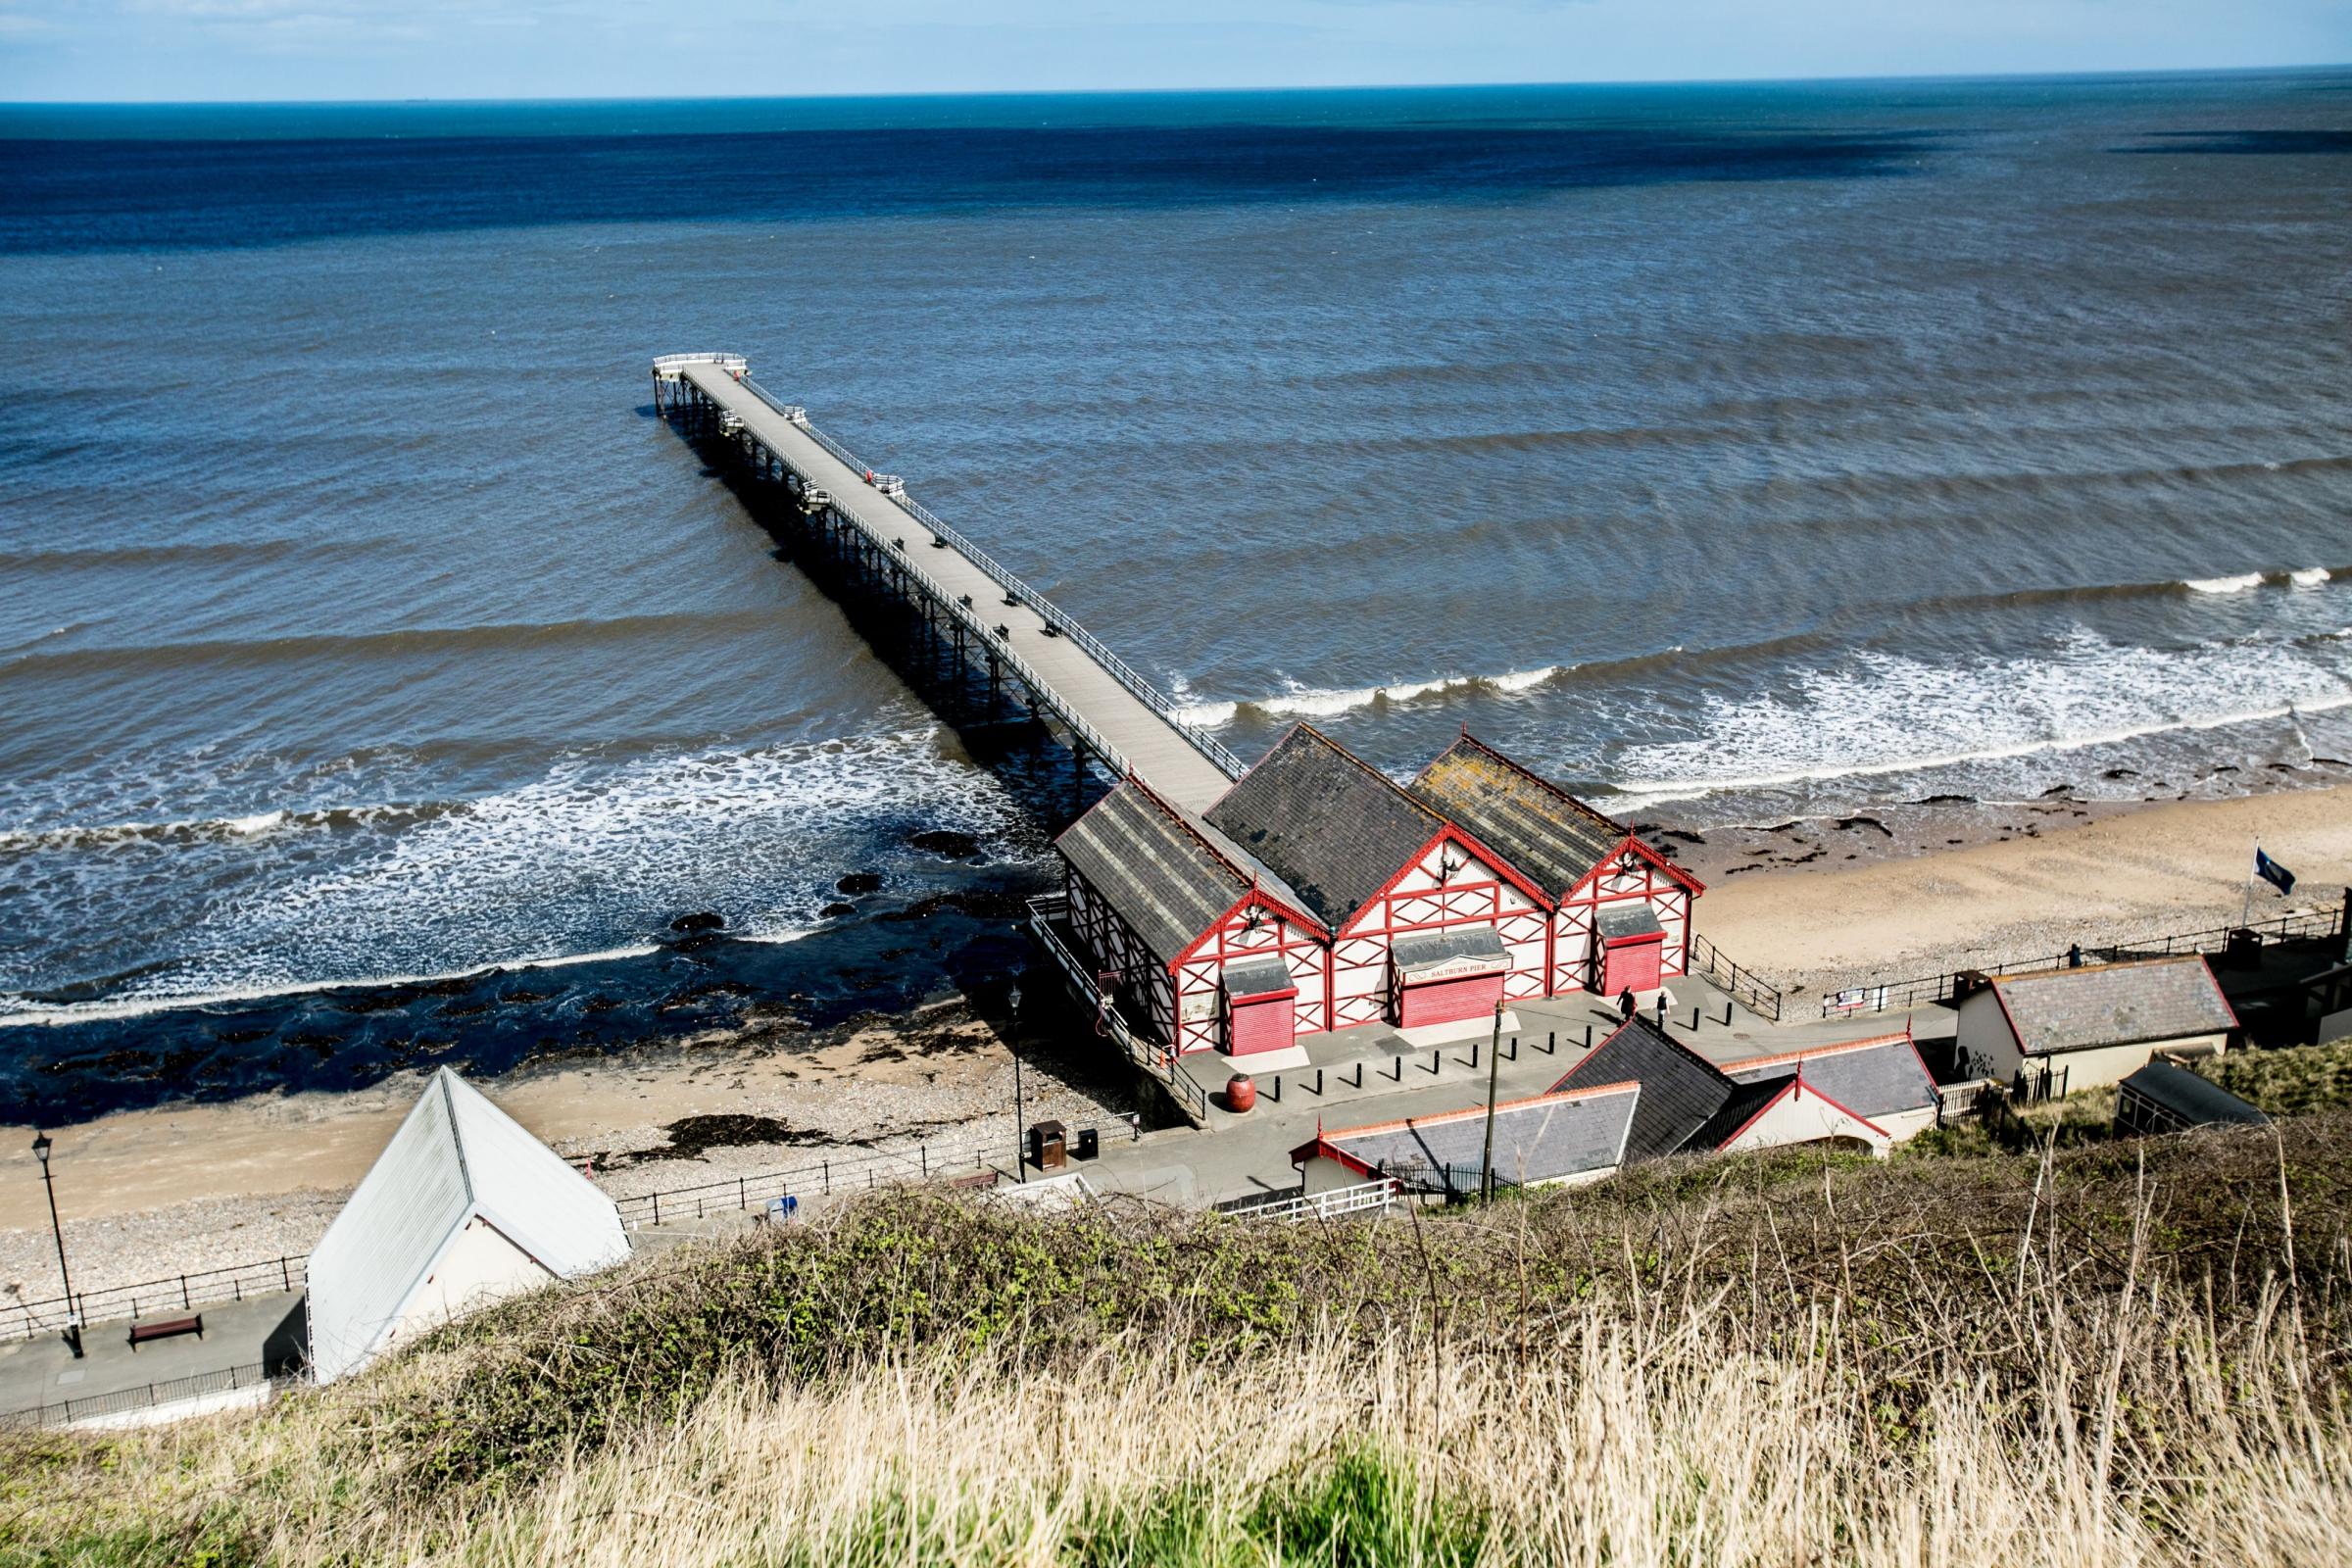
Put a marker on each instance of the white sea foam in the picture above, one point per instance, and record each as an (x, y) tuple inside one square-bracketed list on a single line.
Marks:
[(2224, 585), (1299, 700), (1882, 714), (581, 860), (2309, 576)]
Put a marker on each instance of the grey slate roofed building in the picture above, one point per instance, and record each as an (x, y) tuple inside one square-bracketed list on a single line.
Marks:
[(1332, 826), (2112, 1004), (1258, 977), (1872, 1078), (1549, 835), (1681, 1090), (2160, 1097), (1546, 1138), (1165, 883), (1747, 1099)]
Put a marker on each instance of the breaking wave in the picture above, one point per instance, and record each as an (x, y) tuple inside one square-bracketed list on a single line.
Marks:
[(1884, 713), (590, 858), (1323, 701)]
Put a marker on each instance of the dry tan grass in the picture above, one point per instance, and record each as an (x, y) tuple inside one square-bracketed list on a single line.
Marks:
[(2086, 1419)]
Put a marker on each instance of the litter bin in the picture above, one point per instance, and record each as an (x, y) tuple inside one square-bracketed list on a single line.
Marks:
[(1047, 1146), (1090, 1143), (780, 1210)]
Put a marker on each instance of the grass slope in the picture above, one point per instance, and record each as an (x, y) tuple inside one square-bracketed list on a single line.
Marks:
[(2122, 1353)]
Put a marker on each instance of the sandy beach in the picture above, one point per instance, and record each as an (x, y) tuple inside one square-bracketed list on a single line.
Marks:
[(151, 1193)]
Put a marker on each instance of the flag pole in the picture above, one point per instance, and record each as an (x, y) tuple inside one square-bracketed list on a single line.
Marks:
[(2245, 907)]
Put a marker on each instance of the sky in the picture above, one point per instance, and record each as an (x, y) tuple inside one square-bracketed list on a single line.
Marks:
[(242, 50)]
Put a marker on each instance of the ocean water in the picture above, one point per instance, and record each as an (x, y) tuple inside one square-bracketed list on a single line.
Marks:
[(1735, 452)]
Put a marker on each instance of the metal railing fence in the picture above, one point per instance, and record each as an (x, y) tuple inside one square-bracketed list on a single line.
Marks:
[(1744, 987), (146, 1396), (179, 1293), (1896, 996), (1144, 690), (1292, 1208), (1157, 1059)]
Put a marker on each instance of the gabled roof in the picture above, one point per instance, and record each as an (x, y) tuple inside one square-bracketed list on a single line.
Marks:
[(456, 1157), (1169, 874), (1746, 1102), (1541, 1139), (1681, 1090), (2196, 1102), (1881, 1076), (1548, 833), (2052, 1010), (1330, 824)]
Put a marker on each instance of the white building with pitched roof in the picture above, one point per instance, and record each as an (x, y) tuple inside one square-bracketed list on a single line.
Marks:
[(462, 1208)]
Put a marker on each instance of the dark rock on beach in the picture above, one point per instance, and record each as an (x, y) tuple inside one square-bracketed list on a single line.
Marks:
[(688, 925), (858, 883), (834, 911), (947, 844)]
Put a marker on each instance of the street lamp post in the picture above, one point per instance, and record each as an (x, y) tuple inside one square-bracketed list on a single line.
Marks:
[(1485, 1173), (1021, 1129), (41, 1144)]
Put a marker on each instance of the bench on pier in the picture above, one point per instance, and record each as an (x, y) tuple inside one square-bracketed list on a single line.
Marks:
[(166, 1328)]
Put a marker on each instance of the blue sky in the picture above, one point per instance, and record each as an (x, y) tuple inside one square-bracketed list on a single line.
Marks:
[(114, 50)]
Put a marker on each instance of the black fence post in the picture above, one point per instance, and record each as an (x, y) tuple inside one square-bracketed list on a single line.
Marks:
[(1727, 1014), (656, 1208), (1318, 1081), (1437, 1061), (1587, 1037), (1514, 1055), (1274, 1089), (1474, 1045)]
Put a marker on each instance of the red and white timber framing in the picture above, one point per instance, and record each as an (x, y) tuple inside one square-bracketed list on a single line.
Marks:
[(1183, 1000), (1633, 870), (1454, 881)]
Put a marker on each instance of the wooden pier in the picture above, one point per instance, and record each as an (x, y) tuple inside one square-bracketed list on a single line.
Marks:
[(1007, 650)]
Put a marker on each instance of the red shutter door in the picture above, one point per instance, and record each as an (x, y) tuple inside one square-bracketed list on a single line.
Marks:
[(1450, 1000), (1265, 1023), (1632, 965)]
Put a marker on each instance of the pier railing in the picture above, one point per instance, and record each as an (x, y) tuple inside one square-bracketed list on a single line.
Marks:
[(1741, 985), (1047, 912), (1928, 989), (1053, 615)]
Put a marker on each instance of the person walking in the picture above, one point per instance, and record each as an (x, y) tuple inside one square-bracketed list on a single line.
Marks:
[(1625, 1008)]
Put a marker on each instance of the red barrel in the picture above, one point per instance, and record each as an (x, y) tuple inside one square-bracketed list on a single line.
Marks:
[(1240, 1092)]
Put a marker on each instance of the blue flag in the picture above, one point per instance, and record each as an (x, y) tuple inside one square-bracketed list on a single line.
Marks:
[(2271, 871)]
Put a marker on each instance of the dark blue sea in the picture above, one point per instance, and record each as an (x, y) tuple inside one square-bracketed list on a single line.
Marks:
[(1738, 453)]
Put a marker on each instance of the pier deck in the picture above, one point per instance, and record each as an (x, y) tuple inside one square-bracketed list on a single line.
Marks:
[(1127, 722)]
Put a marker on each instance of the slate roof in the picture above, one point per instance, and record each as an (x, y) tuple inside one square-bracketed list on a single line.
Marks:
[(1258, 977), (1872, 1078), (1167, 883), (1548, 834), (2198, 1101), (1736, 1112), (1681, 1090), (1331, 825), (1628, 917), (1539, 1140), (1421, 948), (2112, 1004)]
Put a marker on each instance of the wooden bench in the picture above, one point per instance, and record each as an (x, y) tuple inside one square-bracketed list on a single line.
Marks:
[(977, 1179), (166, 1328)]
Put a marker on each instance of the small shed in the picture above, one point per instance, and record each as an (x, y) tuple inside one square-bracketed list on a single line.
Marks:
[(462, 1208), (1882, 1079), (1569, 1138), (2162, 1098), (2055, 1031), (1689, 1105)]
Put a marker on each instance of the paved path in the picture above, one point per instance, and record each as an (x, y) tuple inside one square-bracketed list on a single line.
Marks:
[(1137, 736)]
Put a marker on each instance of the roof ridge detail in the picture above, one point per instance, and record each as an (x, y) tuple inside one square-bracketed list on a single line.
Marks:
[(1535, 778)]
